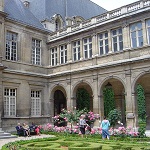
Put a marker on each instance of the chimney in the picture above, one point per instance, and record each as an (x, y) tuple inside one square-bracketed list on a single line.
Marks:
[(1, 5)]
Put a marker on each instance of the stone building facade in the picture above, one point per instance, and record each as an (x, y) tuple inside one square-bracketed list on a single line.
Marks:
[(42, 70)]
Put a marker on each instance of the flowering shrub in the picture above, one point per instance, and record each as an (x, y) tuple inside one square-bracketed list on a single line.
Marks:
[(119, 132), (91, 117)]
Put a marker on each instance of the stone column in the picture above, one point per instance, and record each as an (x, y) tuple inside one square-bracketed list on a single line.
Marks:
[(51, 107), (81, 50), (109, 41), (69, 97), (144, 33), (101, 106), (58, 55), (94, 45), (130, 111), (126, 36), (69, 52), (96, 104)]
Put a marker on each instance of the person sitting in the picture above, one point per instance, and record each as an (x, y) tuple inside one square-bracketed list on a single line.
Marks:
[(26, 129), (37, 130), (19, 129)]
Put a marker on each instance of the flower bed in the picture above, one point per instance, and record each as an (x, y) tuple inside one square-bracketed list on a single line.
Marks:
[(120, 131)]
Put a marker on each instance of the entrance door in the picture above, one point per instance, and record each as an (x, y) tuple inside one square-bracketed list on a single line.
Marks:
[(59, 102)]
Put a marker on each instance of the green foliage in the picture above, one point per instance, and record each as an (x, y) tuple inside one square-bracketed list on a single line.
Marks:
[(141, 110), (114, 116), (109, 100), (83, 99), (141, 103)]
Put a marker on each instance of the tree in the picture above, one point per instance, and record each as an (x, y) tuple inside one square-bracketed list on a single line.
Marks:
[(109, 100), (83, 99), (71, 116)]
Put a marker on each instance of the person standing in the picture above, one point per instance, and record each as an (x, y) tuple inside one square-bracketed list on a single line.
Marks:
[(82, 125), (105, 128)]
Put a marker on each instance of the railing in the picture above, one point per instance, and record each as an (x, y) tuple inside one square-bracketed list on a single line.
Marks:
[(102, 18)]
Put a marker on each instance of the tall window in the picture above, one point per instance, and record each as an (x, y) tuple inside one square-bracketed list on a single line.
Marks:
[(63, 54), (76, 50), (136, 35), (57, 24), (117, 40), (54, 56), (9, 102), (11, 46), (35, 103), (103, 43), (148, 30), (36, 52), (87, 45)]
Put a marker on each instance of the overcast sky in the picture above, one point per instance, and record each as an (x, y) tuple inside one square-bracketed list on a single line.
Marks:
[(112, 4)]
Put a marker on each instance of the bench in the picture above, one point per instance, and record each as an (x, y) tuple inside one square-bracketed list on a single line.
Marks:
[(21, 132)]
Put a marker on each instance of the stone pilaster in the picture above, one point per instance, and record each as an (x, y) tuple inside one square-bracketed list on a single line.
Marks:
[(51, 107), (130, 111), (126, 36), (109, 42), (58, 55), (81, 49), (94, 45), (144, 32), (69, 52)]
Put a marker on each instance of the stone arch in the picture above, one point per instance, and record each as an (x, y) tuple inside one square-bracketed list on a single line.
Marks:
[(58, 95), (118, 86), (143, 79), (86, 85)]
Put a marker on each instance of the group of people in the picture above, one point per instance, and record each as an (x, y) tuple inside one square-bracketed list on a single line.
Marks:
[(104, 125), (26, 129)]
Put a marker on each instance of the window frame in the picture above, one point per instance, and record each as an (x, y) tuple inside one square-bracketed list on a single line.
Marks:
[(105, 46), (76, 50), (63, 54), (8, 102), (36, 52), (118, 42), (87, 52), (35, 109), (54, 56), (136, 31), (11, 53)]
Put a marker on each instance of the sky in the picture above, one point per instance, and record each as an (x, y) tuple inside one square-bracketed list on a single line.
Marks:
[(113, 4)]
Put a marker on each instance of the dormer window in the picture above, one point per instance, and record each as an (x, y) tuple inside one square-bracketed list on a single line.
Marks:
[(58, 22)]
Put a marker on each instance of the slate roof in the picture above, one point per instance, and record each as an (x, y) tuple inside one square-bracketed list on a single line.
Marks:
[(18, 12), (45, 9)]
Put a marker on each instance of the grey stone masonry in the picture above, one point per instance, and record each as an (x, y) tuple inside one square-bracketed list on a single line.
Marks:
[(4, 135)]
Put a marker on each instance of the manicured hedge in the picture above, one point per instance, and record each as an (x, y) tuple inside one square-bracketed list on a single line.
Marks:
[(77, 143)]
